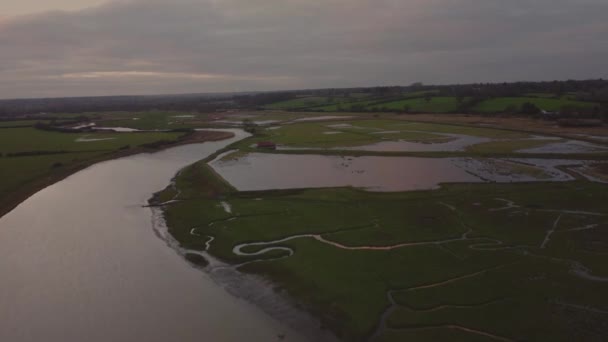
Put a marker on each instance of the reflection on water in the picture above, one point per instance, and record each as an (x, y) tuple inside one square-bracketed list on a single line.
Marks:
[(259, 171), (459, 143), (80, 262)]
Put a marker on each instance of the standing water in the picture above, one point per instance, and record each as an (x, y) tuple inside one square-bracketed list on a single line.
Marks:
[(80, 262)]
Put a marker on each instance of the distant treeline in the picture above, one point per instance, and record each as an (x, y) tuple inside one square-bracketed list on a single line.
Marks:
[(587, 90), (201, 103)]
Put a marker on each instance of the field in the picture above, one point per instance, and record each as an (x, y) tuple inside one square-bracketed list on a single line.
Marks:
[(152, 120), (509, 262), (312, 101), (31, 139), (423, 105), (503, 104), (465, 258), (30, 158), (416, 137), (490, 261), (428, 102)]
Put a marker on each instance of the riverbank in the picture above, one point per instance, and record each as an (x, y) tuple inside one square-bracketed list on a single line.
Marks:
[(55, 175), (88, 240)]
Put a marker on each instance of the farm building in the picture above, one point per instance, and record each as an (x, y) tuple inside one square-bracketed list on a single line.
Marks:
[(267, 144)]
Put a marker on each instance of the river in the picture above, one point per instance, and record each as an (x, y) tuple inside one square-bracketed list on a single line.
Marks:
[(79, 261)]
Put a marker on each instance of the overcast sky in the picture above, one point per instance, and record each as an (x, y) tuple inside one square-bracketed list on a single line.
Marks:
[(94, 47)]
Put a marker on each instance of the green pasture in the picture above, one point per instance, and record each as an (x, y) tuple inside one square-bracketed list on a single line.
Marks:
[(503, 104), (31, 139), (467, 259)]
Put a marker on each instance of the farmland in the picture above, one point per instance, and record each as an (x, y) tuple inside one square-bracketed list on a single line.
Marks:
[(31, 158), (508, 235), (438, 250), (455, 262), (504, 104), (431, 102)]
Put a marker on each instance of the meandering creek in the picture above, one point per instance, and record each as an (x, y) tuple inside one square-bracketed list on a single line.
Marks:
[(80, 262)]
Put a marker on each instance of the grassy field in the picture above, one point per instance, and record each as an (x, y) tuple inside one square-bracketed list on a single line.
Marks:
[(463, 262), (31, 156), (31, 139), (348, 133), (22, 123), (419, 103), (371, 103), (503, 104), (307, 102), (151, 120)]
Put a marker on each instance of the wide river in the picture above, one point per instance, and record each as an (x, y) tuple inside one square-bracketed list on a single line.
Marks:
[(79, 261)]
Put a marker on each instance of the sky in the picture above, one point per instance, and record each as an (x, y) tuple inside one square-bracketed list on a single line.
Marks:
[(56, 48)]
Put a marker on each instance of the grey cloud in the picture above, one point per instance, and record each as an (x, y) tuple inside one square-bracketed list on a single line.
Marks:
[(150, 46)]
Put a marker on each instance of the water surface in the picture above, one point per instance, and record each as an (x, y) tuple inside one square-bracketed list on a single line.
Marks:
[(260, 171), (80, 262)]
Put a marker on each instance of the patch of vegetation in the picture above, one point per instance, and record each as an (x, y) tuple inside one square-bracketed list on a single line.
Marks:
[(514, 104), (197, 259), (30, 157), (426, 104), (31, 139), (152, 120), (464, 261), (377, 103), (508, 146), (307, 102), (348, 133)]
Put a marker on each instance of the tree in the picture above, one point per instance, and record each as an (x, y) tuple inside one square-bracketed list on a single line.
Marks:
[(529, 109), (250, 126)]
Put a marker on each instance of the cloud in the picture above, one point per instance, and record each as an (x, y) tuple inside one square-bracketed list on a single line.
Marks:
[(151, 46)]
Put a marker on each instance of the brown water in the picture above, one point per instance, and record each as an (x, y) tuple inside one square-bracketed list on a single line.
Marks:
[(80, 262), (259, 171)]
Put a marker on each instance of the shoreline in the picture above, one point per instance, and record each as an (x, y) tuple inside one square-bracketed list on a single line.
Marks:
[(255, 290), (30, 188)]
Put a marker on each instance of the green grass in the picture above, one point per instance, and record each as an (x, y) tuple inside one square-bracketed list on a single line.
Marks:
[(421, 105), (306, 102), (371, 103), (417, 103), (15, 172), (365, 132), (498, 105), (18, 123), (152, 120), (506, 289), (31, 139), (65, 154)]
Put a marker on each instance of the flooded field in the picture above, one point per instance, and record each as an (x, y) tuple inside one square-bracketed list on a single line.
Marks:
[(398, 136), (568, 146), (259, 171), (457, 142)]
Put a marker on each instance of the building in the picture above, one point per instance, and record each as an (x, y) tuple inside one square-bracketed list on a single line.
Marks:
[(266, 144)]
